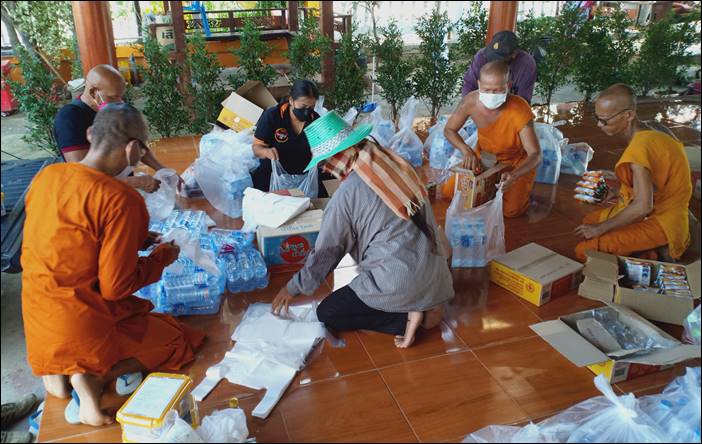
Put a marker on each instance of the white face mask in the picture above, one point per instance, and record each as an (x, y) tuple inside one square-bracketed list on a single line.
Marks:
[(492, 101)]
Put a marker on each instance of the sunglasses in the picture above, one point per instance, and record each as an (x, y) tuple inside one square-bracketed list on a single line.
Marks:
[(606, 121)]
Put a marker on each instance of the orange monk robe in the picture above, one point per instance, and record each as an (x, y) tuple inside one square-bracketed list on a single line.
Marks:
[(668, 224), (80, 267), (502, 139)]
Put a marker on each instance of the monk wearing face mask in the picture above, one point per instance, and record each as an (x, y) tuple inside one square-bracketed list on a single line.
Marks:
[(103, 85), (505, 128)]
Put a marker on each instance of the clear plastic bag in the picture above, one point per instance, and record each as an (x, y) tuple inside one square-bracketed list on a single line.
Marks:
[(383, 129), (476, 235), (677, 409), (551, 141), (511, 434), (351, 115), (222, 170), (405, 142), (576, 157), (605, 418), (228, 425), (692, 327), (161, 202), (319, 107), (308, 182)]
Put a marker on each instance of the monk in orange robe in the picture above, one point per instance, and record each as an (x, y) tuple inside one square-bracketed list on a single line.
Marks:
[(652, 211), (82, 232), (505, 128)]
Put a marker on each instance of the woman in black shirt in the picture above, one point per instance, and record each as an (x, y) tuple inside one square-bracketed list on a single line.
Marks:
[(279, 135)]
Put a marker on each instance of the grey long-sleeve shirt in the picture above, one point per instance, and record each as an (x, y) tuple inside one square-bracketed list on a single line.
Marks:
[(398, 270)]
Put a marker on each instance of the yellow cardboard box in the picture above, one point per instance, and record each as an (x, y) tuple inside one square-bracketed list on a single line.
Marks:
[(602, 283), (477, 190), (587, 347), (535, 273), (242, 108)]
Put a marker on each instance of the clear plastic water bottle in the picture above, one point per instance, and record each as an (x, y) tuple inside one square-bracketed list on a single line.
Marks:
[(260, 270), (247, 273), (233, 275)]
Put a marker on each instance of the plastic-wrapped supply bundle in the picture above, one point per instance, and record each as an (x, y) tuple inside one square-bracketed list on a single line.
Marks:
[(551, 141), (161, 202), (308, 182), (405, 142), (692, 327), (222, 170), (591, 188), (195, 222), (477, 234), (245, 267), (576, 158), (383, 129), (677, 409)]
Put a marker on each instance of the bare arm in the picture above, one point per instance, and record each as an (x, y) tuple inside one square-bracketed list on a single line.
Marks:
[(531, 145), (454, 124), (640, 207), (149, 159), (263, 151)]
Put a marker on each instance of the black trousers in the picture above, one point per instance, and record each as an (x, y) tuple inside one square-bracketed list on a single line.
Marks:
[(344, 311)]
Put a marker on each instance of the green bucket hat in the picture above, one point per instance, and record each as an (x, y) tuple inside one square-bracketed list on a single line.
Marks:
[(330, 134)]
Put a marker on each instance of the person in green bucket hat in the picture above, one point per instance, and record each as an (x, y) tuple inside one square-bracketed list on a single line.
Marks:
[(381, 216)]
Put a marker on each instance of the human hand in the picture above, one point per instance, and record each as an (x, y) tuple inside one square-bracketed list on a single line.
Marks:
[(271, 153), (507, 180), (589, 231), (145, 183), (151, 239), (471, 162), (282, 300), (170, 250)]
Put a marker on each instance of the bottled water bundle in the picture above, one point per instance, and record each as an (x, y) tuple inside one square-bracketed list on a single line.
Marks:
[(244, 265)]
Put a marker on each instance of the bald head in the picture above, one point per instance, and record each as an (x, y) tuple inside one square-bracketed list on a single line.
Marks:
[(618, 96), (495, 71), (116, 125), (103, 84)]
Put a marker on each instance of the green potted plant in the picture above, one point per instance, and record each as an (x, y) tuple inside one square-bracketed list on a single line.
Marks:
[(307, 49), (349, 87), (205, 88), (394, 72), (250, 54), (471, 30)]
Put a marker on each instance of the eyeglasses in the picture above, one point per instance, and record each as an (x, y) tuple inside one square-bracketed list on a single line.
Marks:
[(606, 121)]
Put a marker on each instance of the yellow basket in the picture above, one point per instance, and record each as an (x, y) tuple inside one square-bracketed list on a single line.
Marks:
[(142, 416)]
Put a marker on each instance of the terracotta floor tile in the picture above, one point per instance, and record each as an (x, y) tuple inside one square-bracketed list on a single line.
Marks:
[(53, 425), (450, 395), (356, 408), (562, 305), (327, 362), (487, 315), (535, 375), (111, 434), (437, 341)]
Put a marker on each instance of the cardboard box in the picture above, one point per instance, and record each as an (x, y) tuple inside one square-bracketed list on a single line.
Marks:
[(287, 246), (477, 190), (602, 282), (242, 108), (617, 365), (535, 273)]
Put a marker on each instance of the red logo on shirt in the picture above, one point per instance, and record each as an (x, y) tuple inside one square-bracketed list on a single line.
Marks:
[(281, 135), (294, 249)]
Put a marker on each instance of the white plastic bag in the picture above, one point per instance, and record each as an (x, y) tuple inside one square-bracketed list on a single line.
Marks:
[(477, 235), (383, 129), (405, 142), (160, 203), (308, 182), (576, 157), (617, 419), (180, 431), (222, 170), (228, 425), (350, 115), (677, 409), (190, 247), (270, 210), (551, 141), (319, 107)]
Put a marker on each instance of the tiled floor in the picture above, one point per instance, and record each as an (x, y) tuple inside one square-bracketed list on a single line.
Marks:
[(482, 366)]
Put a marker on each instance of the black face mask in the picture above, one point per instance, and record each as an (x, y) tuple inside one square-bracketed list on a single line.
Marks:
[(303, 114)]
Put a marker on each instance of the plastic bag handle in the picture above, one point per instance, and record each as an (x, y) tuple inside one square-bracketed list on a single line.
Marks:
[(603, 385)]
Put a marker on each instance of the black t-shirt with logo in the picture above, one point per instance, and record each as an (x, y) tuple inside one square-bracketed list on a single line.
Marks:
[(275, 129)]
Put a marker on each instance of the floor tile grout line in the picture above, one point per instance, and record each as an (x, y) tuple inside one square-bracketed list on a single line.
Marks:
[(399, 407), (111, 426), (426, 358), (505, 342), (375, 366), (504, 389)]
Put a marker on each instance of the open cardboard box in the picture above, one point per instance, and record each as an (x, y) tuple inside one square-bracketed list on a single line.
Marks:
[(242, 108), (535, 273), (477, 189), (607, 357), (603, 283)]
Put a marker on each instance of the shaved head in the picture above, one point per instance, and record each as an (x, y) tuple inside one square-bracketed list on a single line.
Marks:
[(618, 96), (496, 71), (116, 125), (103, 84)]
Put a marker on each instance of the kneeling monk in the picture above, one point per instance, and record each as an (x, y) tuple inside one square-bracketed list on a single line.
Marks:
[(82, 232), (381, 216), (505, 128), (652, 211)]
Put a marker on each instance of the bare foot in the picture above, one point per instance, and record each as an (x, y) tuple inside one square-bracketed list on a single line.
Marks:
[(414, 319), (89, 389), (433, 317), (57, 385)]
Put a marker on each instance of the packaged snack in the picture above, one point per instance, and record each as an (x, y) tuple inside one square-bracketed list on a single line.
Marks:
[(586, 198), (638, 272)]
